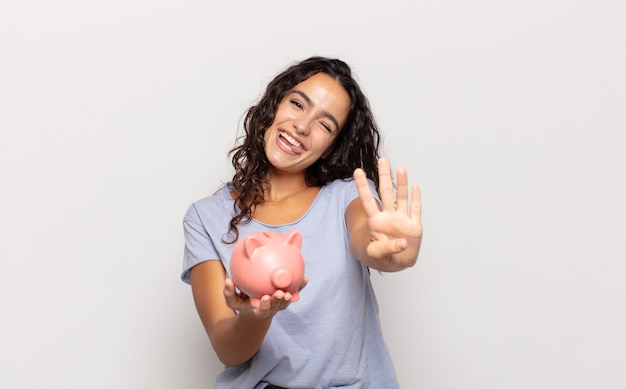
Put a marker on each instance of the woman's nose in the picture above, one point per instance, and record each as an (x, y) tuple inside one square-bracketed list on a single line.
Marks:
[(302, 125)]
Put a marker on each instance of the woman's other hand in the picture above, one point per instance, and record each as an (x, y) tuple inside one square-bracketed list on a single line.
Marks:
[(395, 231)]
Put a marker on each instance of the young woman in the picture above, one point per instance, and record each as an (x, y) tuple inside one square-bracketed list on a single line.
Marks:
[(309, 146)]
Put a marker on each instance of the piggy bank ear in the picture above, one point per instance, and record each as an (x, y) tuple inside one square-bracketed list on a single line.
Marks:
[(294, 238), (250, 244)]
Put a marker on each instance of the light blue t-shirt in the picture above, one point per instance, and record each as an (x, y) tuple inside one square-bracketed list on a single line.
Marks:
[(331, 337)]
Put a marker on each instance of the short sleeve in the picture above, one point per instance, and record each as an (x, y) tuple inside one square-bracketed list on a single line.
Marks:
[(198, 244)]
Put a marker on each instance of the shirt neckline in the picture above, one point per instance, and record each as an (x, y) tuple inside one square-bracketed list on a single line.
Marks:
[(228, 188)]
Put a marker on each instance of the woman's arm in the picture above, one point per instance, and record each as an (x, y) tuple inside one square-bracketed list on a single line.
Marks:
[(386, 239), (235, 337)]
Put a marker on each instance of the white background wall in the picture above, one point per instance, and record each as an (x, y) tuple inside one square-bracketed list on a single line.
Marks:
[(116, 115)]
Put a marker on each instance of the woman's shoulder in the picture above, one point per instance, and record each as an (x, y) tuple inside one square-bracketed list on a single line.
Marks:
[(345, 190), (220, 195), (221, 199), (345, 185), (339, 184), (339, 191)]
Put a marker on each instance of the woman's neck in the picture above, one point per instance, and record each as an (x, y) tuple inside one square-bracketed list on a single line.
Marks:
[(282, 185), (287, 199)]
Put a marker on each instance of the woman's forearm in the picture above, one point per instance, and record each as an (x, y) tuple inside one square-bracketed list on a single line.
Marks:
[(236, 339)]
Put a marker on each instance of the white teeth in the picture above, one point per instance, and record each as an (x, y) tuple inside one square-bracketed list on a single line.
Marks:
[(290, 139)]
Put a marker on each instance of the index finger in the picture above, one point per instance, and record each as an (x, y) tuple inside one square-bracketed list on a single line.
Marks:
[(370, 205)]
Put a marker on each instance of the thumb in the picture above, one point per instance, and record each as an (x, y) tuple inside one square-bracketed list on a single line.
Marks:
[(383, 248)]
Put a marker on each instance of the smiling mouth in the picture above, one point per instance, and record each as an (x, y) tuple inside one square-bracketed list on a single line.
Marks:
[(290, 143)]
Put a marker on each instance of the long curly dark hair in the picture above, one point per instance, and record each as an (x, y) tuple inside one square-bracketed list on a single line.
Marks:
[(356, 146)]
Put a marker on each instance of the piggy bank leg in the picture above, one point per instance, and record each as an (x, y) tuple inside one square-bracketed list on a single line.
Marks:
[(295, 296)]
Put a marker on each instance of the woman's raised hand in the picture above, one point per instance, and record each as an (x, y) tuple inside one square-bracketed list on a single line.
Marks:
[(396, 229)]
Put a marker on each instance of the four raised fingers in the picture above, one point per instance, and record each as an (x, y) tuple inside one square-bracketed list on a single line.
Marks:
[(390, 201)]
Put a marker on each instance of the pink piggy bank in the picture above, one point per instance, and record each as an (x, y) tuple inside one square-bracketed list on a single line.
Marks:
[(264, 262)]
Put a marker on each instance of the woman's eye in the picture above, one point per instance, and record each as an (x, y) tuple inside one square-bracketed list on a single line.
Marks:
[(296, 104), (327, 127)]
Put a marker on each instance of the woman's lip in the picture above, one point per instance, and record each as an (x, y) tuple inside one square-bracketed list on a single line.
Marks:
[(284, 139)]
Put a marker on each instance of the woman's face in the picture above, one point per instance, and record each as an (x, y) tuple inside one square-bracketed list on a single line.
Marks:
[(307, 121)]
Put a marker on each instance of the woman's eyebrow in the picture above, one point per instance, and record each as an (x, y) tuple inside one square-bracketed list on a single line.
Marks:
[(324, 113)]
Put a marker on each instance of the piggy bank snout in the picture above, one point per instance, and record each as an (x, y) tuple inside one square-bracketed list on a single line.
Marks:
[(281, 278)]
